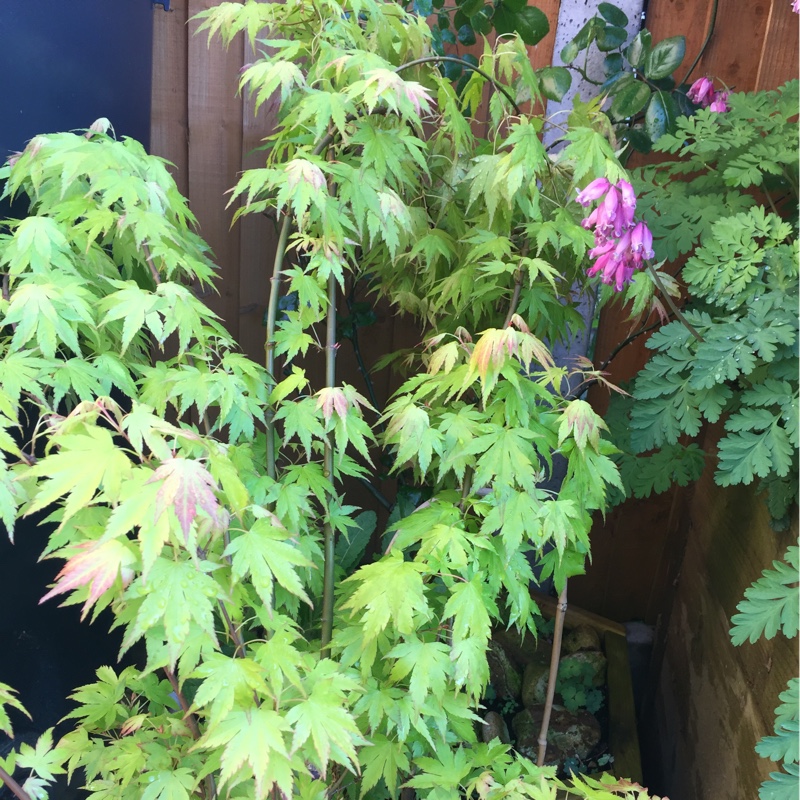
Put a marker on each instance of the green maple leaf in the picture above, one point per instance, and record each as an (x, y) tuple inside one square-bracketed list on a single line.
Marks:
[(468, 606), (301, 419), (390, 590), (100, 703), (384, 758), (178, 784), (266, 554), (85, 462), (179, 597), (324, 718), (253, 745), (7, 698), (227, 680), (429, 664)]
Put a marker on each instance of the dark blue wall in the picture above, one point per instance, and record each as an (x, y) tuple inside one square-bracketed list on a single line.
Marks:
[(65, 63)]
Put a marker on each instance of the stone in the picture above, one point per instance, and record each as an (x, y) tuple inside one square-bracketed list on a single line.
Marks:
[(521, 649), (494, 727), (584, 637), (534, 683), (571, 735), (596, 661), (503, 675)]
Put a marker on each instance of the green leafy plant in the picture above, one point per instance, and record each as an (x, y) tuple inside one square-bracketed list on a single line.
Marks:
[(575, 685), (736, 361), (729, 202), (199, 496), (770, 606)]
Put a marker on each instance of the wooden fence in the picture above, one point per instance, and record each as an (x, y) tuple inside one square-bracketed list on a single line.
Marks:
[(211, 134)]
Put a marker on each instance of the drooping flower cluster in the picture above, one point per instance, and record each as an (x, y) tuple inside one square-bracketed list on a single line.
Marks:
[(702, 93), (621, 244)]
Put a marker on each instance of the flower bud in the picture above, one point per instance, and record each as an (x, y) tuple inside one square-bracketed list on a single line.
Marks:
[(701, 92), (594, 191)]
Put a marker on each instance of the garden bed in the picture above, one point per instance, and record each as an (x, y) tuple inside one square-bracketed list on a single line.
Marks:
[(593, 725)]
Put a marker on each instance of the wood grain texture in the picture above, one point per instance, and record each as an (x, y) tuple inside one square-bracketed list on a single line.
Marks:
[(169, 120), (623, 733), (779, 52), (215, 156), (258, 234), (714, 701)]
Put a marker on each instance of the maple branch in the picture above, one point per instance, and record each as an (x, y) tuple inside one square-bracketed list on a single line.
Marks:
[(272, 319), (233, 634), (13, 786), (466, 65), (188, 716), (328, 585), (561, 610)]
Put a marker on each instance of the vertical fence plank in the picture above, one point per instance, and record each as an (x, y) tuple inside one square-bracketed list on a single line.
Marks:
[(734, 51), (778, 62), (215, 156), (169, 123), (258, 234)]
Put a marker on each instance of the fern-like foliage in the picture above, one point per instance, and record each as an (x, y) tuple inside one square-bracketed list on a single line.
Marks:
[(742, 283), (783, 746), (771, 603), (771, 606)]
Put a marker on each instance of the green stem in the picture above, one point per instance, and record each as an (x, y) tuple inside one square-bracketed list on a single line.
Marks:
[(272, 318), (711, 24), (675, 310), (466, 65), (327, 468), (561, 611)]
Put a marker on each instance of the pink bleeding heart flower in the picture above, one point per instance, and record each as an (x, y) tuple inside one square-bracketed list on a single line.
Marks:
[(611, 204), (602, 248), (623, 246), (701, 92), (796, 6), (642, 242), (628, 195), (590, 221), (594, 191), (720, 102)]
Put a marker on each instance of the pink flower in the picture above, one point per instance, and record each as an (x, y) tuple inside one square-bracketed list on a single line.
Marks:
[(641, 243), (628, 195), (591, 220), (720, 102), (611, 204), (622, 249), (602, 248), (796, 6), (701, 92), (594, 191)]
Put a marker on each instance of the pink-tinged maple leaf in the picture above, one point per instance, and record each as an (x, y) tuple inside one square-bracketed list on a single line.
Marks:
[(186, 485), (299, 171), (492, 349), (97, 566), (332, 400)]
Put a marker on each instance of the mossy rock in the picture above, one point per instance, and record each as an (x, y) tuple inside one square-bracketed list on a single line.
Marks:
[(584, 637), (503, 675)]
